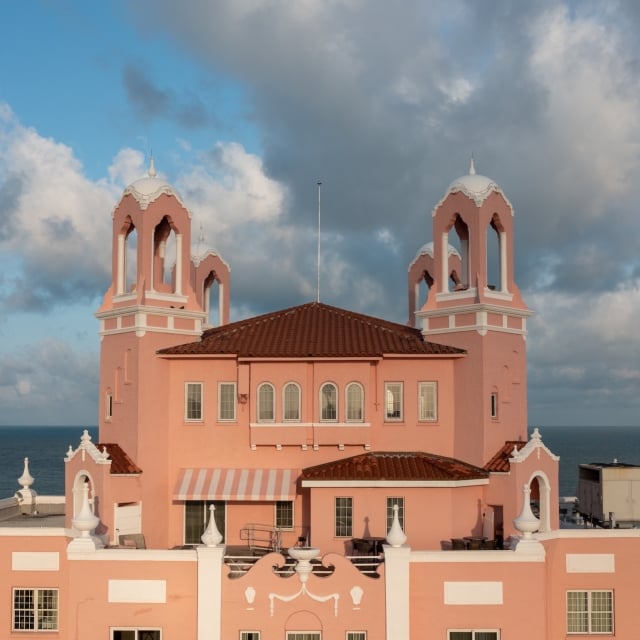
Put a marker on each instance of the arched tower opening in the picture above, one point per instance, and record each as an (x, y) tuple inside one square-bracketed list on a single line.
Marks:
[(166, 256), (127, 264), (496, 255), (458, 241), (212, 295)]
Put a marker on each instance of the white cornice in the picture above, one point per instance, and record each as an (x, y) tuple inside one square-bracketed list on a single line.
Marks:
[(404, 484)]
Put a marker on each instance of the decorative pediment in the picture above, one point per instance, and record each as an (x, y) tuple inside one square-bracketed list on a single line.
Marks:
[(536, 445), (87, 447)]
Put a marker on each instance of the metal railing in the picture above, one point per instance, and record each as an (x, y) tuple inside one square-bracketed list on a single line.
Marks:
[(261, 537)]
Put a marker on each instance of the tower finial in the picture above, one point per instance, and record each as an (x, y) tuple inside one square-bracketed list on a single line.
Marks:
[(152, 167), (472, 166)]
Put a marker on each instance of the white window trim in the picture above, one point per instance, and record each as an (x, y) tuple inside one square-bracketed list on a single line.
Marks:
[(293, 515), (493, 405), (589, 632), (473, 632), (186, 401), (235, 405), (428, 385), (335, 386), (244, 634), (387, 387), (351, 635), (284, 402), (317, 634), (346, 403), (261, 386), (36, 619), (335, 517), (108, 405), (113, 630)]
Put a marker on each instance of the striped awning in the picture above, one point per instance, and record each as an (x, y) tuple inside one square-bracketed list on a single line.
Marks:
[(236, 484)]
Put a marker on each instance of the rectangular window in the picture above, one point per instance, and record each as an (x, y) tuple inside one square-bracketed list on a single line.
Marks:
[(193, 401), (249, 635), (196, 519), (470, 634), (304, 635), (427, 401), (284, 514), (227, 401), (356, 635), (393, 400), (35, 609), (590, 612), (390, 503), (108, 408), (343, 517), (136, 634), (494, 405)]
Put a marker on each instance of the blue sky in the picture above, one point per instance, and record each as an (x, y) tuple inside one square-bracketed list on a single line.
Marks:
[(246, 105)]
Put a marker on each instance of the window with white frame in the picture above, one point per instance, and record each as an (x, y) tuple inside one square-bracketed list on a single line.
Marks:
[(356, 635), (329, 402), (343, 517), (35, 609), (590, 612), (427, 401), (291, 402), (108, 405), (136, 634), (284, 514), (249, 635), (391, 501), (493, 404), (304, 635), (196, 519), (393, 401), (266, 403), (355, 402), (193, 401), (472, 634), (227, 401)]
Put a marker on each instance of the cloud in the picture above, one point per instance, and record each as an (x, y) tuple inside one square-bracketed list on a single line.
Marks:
[(46, 381), (151, 102)]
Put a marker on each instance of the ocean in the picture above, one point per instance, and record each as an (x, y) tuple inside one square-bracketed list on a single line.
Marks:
[(46, 448)]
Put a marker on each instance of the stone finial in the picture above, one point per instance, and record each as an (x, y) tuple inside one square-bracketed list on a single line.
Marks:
[(85, 521), (152, 167), (211, 536), (472, 167), (396, 537), (526, 522), (26, 479)]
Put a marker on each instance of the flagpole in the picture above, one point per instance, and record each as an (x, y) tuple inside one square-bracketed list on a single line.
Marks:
[(319, 188)]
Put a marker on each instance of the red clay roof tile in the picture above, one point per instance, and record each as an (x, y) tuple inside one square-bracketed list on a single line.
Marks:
[(500, 461), (395, 465), (312, 330), (121, 463)]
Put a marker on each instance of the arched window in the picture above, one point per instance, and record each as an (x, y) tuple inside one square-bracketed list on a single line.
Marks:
[(266, 403), (354, 403), (329, 402), (291, 402)]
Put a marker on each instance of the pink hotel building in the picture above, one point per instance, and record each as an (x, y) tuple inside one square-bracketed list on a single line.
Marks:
[(312, 473)]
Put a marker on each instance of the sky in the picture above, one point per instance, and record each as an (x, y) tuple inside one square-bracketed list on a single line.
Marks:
[(246, 105)]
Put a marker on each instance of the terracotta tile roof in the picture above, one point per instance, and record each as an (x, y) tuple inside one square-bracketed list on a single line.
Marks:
[(121, 463), (395, 465), (500, 461), (312, 330)]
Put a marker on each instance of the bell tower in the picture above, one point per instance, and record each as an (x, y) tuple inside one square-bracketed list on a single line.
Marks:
[(474, 303), (157, 298)]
